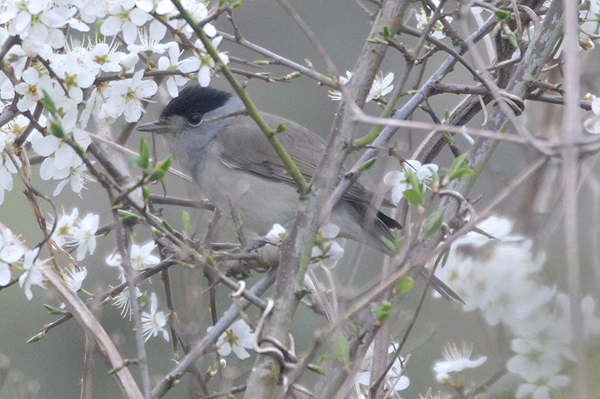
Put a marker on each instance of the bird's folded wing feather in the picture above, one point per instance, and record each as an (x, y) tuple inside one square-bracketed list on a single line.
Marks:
[(254, 154)]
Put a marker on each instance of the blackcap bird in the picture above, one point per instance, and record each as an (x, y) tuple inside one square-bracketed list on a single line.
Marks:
[(235, 166)]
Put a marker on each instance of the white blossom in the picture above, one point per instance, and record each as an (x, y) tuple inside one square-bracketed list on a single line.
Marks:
[(172, 63), (542, 388), (126, 97), (148, 44), (394, 378), (7, 167), (236, 339), (276, 234), (125, 19), (437, 30), (9, 254), (336, 95), (140, 257), (330, 251), (381, 86), (65, 227), (457, 360), (592, 125), (106, 56), (84, 236), (399, 181), (198, 10), (74, 278), (123, 300), (33, 272), (207, 63), (154, 322), (32, 88)]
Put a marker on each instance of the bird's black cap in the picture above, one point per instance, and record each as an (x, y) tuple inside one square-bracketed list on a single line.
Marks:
[(194, 100)]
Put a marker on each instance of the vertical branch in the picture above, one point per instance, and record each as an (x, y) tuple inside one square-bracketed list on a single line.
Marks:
[(296, 247), (124, 246), (570, 155)]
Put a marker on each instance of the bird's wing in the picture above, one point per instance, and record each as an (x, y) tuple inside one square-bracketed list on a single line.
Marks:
[(254, 154)]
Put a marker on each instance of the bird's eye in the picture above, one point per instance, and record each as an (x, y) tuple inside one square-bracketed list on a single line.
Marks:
[(195, 119)]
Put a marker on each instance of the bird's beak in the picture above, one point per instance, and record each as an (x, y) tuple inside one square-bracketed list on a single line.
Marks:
[(159, 126)]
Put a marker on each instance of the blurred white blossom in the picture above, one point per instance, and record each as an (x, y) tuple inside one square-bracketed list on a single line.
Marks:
[(394, 379), (276, 234), (457, 360), (498, 276), (399, 179), (325, 247), (236, 339)]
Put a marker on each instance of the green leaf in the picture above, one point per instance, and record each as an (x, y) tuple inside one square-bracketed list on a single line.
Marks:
[(342, 349), (434, 181), (145, 193), (386, 32), (293, 75), (377, 40), (144, 154), (127, 214), (210, 261), (458, 168), (236, 4), (168, 227), (382, 311), (281, 128), (56, 129), (367, 165), (396, 245), (495, 31), (447, 137), (404, 285), (415, 197), (35, 338), (433, 223), (157, 232), (186, 222), (115, 370), (160, 170), (463, 172), (412, 177), (261, 62), (501, 15), (314, 367), (512, 38), (48, 103), (54, 311)]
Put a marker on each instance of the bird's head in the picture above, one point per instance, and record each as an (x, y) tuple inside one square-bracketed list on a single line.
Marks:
[(187, 111)]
